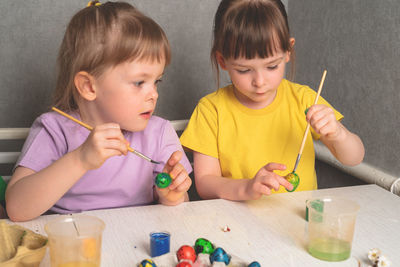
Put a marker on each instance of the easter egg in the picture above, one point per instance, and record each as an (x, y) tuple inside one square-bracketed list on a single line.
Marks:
[(294, 179), (219, 255), (254, 264), (186, 252), (147, 263), (184, 264), (202, 245), (163, 180)]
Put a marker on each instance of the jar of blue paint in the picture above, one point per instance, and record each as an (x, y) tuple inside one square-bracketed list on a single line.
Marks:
[(159, 243)]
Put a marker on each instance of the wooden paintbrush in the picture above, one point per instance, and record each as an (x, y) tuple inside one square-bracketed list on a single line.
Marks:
[(90, 128), (308, 124)]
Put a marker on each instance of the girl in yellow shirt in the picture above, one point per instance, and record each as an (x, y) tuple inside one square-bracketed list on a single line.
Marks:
[(245, 136)]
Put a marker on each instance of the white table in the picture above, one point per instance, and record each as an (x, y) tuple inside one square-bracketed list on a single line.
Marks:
[(271, 230)]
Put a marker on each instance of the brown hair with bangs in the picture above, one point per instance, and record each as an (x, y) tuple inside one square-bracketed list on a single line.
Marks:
[(250, 29), (103, 36)]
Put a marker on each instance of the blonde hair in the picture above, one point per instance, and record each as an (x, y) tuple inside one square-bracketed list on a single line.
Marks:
[(103, 36), (249, 29)]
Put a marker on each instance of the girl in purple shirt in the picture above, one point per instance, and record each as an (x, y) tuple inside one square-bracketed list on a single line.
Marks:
[(111, 59)]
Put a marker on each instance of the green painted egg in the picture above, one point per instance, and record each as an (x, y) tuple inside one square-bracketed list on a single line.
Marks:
[(163, 180), (294, 179), (203, 245)]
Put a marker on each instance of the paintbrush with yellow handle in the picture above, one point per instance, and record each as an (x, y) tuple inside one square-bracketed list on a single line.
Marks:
[(90, 128)]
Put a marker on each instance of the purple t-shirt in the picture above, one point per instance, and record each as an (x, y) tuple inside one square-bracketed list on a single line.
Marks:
[(121, 181)]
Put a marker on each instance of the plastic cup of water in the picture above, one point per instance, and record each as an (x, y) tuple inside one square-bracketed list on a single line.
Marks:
[(75, 240), (331, 224)]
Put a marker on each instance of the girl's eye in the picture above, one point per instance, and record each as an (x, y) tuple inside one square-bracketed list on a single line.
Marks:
[(242, 71), (138, 84), (158, 81), (272, 67)]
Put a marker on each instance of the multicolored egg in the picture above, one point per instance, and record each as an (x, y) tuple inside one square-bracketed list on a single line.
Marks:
[(186, 252), (163, 180), (203, 245), (219, 255), (184, 264), (254, 264), (294, 179), (147, 263)]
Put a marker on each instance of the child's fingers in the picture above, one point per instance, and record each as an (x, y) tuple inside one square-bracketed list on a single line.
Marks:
[(176, 170), (272, 166), (272, 181), (108, 153), (317, 125), (182, 183), (108, 131), (314, 109), (178, 178), (172, 161), (162, 192), (325, 124), (107, 126), (324, 114), (109, 136), (118, 145), (285, 183), (265, 190), (316, 112)]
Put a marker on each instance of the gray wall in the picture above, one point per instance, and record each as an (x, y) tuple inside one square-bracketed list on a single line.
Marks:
[(31, 32), (358, 42)]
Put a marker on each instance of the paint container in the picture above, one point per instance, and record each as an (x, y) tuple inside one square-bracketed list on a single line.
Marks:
[(159, 243)]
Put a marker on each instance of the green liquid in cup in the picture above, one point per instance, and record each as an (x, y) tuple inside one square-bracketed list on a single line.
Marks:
[(331, 249)]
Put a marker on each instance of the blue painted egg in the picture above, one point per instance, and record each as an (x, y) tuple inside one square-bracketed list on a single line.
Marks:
[(254, 264), (147, 263), (219, 255)]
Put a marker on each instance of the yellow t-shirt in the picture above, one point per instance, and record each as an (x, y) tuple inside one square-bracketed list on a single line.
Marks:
[(244, 139)]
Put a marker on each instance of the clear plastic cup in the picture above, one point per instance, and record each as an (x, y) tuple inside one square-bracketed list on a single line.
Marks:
[(331, 223), (75, 240)]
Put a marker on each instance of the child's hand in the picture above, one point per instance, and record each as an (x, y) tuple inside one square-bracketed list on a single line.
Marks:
[(104, 141), (322, 119), (265, 180), (176, 191)]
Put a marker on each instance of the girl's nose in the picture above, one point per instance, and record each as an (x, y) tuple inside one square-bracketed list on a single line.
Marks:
[(153, 94), (258, 79)]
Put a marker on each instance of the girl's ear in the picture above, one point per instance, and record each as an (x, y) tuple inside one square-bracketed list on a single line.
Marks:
[(220, 60), (291, 43), (84, 83)]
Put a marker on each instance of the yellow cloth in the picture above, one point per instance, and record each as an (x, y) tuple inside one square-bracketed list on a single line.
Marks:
[(244, 139), (20, 246)]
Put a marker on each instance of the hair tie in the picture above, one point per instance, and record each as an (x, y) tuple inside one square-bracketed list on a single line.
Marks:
[(94, 3)]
